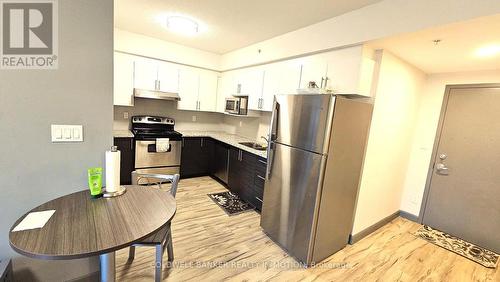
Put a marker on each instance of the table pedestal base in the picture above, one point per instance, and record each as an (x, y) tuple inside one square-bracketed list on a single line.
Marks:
[(107, 265)]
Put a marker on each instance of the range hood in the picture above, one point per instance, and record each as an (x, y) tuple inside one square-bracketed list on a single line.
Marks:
[(155, 94)]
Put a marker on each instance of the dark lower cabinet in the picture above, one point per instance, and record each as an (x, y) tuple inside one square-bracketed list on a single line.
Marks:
[(197, 153), (220, 162), (242, 172), (247, 176), (126, 147), (259, 181)]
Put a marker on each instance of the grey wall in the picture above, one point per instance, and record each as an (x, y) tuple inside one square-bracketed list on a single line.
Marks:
[(34, 170)]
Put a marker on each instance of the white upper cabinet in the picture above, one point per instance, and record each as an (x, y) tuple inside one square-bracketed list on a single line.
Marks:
[(224, 86), (197, 89), (145, 74), (279, 78), (168, 77), (156, 75), (314, 69), (188, 89), (123, 80), (350, 71), (253, 80), (207, 91)]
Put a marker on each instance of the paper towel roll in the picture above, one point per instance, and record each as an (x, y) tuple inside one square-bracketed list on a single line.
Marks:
[(112, 171)]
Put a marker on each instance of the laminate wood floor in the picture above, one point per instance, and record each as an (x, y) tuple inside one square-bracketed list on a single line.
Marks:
[(211, 246)]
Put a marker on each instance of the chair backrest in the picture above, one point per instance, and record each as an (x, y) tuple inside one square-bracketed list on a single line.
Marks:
[(157, 179)]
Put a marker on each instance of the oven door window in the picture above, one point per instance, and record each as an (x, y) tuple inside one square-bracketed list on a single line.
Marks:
[(231, 105)]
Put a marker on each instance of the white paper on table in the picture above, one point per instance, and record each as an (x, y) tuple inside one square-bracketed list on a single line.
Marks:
[(34, 220)]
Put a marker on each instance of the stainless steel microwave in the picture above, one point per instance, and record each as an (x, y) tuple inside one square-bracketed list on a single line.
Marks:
[(237, 105)]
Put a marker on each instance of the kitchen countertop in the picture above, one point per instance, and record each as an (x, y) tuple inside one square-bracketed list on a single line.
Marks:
[(230, 139), (122, 134)]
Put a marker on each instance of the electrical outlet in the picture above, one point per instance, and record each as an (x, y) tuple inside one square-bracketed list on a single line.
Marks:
[(193, 118), (125, 115)]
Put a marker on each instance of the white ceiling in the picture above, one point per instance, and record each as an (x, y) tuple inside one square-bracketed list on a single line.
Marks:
[(230, 24), (455, 52)]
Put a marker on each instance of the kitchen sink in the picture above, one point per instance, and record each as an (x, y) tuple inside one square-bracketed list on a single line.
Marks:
[(254, 145)]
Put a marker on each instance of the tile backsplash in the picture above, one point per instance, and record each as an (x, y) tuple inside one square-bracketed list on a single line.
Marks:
[(250, 127)]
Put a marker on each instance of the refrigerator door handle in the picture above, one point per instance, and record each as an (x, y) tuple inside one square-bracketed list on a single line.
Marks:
[(274, 121), (270, 159)]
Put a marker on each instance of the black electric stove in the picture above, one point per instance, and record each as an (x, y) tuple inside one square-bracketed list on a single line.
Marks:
[(153, 127)]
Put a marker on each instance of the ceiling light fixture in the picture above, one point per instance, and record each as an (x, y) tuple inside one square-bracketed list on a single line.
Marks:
[(488, 51), (182, 25)]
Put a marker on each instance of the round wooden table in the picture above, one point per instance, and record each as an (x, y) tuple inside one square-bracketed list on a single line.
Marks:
[(84, 227)]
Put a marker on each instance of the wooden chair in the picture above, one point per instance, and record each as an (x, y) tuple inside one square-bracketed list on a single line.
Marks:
[(161, 239)]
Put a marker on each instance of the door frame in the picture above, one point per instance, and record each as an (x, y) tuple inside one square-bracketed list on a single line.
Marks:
[(437, 139)]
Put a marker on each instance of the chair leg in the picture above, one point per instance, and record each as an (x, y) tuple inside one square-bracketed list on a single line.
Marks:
[(159, 262), (170, 247), (131, 253)]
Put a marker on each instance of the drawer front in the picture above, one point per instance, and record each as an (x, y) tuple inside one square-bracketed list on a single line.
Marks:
[(259, 182), (260, 166), (145, 158)]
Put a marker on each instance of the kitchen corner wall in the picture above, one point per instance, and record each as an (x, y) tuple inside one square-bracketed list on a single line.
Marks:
[(388, 150), (32, 169)]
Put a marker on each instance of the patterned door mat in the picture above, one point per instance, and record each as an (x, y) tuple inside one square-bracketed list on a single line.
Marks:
[(468, 250), (230, 203)]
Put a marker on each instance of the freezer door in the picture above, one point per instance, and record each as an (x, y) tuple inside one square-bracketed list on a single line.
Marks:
[(302, 121), (290, 193)]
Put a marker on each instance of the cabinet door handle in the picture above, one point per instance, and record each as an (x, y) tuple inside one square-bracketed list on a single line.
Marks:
[(182, 142), (240, 155), (159, 84), (131, 144), (322, 80), (201, 142)]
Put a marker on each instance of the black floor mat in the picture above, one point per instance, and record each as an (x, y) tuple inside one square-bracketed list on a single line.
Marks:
[(230, 203)]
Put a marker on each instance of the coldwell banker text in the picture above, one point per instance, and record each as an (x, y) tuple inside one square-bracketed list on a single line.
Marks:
[(29, 34)]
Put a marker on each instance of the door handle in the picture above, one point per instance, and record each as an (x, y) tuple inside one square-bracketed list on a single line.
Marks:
[(274, 121), (442, 169), (270, 159)]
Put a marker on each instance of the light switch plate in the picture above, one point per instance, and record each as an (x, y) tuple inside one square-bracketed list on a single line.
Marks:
[(66, 133)]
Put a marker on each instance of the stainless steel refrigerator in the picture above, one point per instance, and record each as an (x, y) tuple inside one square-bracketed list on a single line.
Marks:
[(315, 157)]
